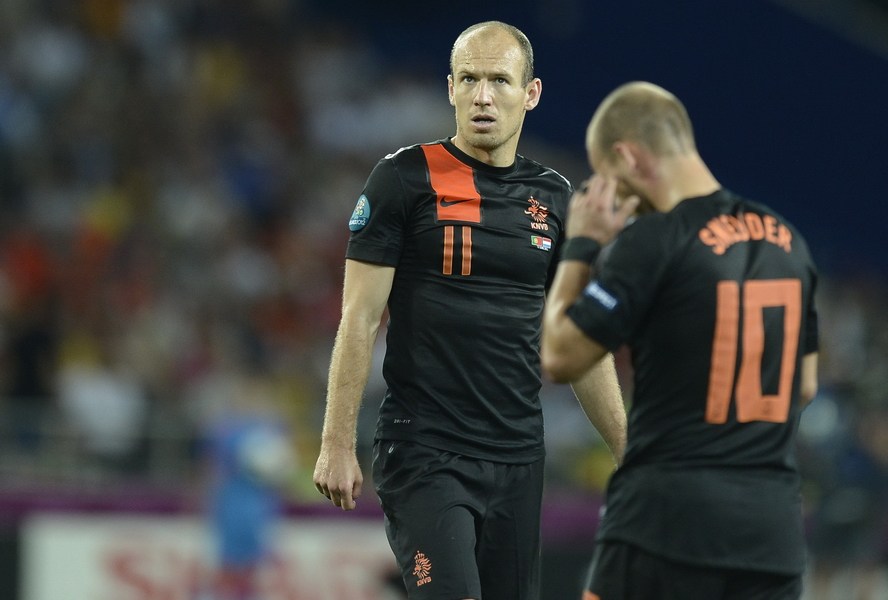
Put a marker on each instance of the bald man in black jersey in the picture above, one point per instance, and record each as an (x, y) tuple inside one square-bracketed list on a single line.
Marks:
[(459, 238), (714, 295)]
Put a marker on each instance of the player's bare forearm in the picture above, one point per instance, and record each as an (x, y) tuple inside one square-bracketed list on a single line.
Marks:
[(349, 371), (568, 355), (365, 293), (566, 352), (600, 396), (337, 473)]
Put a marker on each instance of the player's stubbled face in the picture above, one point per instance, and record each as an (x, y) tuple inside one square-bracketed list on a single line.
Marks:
[(487, 89)]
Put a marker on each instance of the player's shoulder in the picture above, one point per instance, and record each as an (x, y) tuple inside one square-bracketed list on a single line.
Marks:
[(764, 208), (745, 203), (402, 164), (647, 231), (534, 168), (409, 152)]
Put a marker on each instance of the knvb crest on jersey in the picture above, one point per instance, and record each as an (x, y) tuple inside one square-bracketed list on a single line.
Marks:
[(422, 569), (538, 215)]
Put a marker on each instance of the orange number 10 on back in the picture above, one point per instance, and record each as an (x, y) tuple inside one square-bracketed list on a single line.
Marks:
[(752, 404)]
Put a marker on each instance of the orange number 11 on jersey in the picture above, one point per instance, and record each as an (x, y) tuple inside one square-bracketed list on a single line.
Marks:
[(752, 404)]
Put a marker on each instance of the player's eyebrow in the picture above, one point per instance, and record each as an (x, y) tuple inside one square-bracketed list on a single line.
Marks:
[(476, 73)]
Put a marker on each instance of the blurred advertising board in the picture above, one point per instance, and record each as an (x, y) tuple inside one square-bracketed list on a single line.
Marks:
[(112, 557)]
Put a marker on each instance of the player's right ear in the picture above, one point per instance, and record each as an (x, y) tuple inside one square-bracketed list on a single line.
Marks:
[(450, 89), (626, 152)]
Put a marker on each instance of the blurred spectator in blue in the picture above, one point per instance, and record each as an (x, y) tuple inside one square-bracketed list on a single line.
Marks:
[(253, 463)]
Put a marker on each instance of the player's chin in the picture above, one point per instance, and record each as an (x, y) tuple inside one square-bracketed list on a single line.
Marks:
[(485, 140)]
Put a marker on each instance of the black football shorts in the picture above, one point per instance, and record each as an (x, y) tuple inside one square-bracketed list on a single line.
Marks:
[(458, 525), (621, 571)]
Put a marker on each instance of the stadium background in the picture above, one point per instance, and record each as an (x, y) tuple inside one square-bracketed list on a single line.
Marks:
[(175, 178)]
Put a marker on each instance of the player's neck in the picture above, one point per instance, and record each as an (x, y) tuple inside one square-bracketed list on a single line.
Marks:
[(501, 156), (685, 177)]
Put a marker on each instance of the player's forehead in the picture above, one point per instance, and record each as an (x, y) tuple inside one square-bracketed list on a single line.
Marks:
[(486, 51)]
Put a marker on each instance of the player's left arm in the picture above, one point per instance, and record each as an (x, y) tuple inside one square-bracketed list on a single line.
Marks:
[(566, 351), (599, 394), (808, 387)]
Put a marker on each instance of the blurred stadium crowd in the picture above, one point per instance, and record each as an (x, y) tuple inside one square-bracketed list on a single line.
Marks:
[(175, 181)]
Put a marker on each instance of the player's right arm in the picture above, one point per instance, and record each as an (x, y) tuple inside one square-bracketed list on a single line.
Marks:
[(365, 293)]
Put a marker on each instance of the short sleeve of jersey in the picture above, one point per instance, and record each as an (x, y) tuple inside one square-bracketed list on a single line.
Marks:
[(377, 225), (612, 305)]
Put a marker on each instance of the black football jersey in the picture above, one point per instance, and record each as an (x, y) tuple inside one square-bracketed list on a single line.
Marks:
[(474, 249), (716, 301)]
